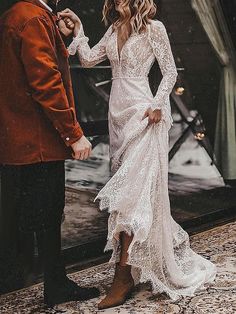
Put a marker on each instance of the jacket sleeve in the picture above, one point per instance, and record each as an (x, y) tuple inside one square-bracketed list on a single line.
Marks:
[(89, 57), (161, 48), (41, 66)]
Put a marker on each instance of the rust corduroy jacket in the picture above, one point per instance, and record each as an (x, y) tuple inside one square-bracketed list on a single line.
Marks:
[(37, 113)]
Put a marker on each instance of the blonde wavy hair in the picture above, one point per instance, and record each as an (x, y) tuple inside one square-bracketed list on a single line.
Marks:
[(138, 13)]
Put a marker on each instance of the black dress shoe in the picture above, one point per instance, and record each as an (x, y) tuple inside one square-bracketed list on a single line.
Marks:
[(68, 291), (58, 288)]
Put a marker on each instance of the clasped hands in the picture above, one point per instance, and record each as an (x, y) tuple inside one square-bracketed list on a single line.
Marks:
[(68, 22)]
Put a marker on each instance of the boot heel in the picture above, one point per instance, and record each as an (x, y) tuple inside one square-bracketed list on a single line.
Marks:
[(129, 295), (121, 289)]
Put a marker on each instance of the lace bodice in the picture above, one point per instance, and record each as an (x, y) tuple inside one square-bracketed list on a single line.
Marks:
[(136, 57)]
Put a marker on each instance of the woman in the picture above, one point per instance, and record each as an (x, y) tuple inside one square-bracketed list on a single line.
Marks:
[(148, 245)]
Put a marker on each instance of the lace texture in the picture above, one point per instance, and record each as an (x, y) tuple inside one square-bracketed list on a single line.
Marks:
[(137, 194)]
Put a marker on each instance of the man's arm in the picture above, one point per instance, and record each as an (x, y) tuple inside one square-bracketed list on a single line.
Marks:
[(40, 63)]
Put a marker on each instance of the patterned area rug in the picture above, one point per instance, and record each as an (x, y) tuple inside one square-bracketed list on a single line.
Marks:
[(217, 244)]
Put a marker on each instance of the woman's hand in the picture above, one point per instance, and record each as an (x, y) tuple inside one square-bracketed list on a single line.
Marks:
[(71, 20), (154, 116)]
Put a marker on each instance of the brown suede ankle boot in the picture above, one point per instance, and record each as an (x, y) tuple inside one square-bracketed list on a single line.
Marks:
[(121, 288)]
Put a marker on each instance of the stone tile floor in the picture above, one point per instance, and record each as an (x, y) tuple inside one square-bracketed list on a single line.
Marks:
[(217, 244)]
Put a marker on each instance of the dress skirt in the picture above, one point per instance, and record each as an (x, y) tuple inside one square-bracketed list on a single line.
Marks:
[(138, 202)]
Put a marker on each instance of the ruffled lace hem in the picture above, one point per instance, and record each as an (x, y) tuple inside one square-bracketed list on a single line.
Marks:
[(207, 270)]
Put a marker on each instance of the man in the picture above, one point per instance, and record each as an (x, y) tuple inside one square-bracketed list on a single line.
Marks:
[(38, 131)]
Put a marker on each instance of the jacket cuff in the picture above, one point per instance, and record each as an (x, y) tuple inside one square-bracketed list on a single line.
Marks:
[(73, 136)]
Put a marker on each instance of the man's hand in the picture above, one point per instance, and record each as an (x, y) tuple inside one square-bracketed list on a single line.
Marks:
[(154, 116), (71, 20), (82, 149), (64, 28)]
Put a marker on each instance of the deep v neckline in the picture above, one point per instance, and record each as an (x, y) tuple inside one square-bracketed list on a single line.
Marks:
[(119, 52)]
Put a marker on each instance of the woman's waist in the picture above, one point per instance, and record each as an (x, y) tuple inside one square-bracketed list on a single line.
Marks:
[(117, 76), (131, 87)]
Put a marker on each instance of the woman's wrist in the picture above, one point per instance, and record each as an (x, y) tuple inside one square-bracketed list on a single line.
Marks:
[(77, 29)]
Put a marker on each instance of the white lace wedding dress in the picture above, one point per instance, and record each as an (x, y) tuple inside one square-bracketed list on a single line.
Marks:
[(137, 194)]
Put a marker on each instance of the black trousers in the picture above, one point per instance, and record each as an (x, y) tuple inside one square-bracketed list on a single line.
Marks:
[(33, 196), (32, 199)]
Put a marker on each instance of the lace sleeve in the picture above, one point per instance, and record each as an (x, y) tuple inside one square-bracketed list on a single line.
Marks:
[(89, 56), (161, 48)]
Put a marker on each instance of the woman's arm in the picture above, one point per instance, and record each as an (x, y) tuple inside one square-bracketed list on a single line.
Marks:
[(161, 48), (89, 57)]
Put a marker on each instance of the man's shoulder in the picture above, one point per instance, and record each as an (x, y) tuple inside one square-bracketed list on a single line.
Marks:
[(21, 13)]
